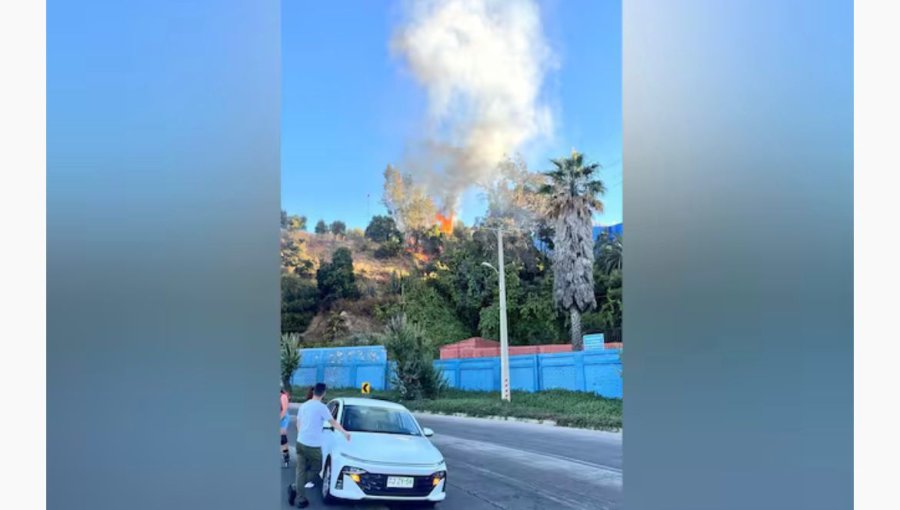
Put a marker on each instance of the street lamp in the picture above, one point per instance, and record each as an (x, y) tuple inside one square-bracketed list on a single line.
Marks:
[(504, 342)]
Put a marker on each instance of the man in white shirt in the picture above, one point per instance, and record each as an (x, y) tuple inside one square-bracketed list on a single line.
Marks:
[(311, 416)]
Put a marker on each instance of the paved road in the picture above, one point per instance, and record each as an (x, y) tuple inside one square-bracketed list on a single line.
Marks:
[(495, 465)]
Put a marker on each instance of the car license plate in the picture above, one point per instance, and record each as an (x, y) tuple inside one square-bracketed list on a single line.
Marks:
[(400, 482)]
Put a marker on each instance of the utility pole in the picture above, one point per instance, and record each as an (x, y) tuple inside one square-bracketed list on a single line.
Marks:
[(504, 341), (504, 338)]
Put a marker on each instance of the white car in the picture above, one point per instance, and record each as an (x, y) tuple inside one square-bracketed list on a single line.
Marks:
[(388, 457)]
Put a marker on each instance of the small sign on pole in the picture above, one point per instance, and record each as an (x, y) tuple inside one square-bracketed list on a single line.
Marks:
[(366, 388)]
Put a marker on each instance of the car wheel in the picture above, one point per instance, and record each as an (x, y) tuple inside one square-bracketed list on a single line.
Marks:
[(326, 483)]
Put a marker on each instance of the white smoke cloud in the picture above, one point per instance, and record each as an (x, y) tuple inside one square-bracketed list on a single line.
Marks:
[(482, 64)]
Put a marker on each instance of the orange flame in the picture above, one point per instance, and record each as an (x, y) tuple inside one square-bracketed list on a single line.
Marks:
[(421, 257), (445, 222)]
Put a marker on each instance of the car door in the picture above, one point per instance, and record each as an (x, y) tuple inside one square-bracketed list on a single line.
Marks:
[(328, 432)]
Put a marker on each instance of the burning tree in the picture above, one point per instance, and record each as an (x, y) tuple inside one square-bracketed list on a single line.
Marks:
[(408, 204), (513, 199), (572, 194)]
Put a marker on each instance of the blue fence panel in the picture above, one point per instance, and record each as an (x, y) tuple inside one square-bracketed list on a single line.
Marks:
[(374, 374), (603, 373), (450, 369), (343, 355), (598, 371), (523, 373), (337, 376), (304, 376), (343, 367), (558, 371), (479, 374), (595, 371)]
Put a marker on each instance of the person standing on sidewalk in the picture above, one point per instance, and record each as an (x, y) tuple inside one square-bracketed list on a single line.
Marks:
[(311, 416), (285, 421)]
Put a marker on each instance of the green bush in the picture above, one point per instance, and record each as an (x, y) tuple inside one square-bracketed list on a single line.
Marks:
[(415, 376), (290, 357), (531, 315), (336, 279), (390, 248), (299, 303), (383, 229), (338, 228), (427, 307)]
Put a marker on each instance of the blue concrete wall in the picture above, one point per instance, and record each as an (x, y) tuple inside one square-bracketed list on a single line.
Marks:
[(342, 367), (595, 371), (349, 367)]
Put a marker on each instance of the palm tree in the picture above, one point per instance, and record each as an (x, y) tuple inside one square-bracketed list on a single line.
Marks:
[(609, 252), (572, 191)]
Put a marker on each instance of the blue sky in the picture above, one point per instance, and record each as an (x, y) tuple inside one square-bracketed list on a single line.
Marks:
[(349, 109)]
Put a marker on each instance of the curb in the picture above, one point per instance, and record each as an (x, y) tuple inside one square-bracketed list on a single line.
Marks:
[(533, 421), (548, 423)]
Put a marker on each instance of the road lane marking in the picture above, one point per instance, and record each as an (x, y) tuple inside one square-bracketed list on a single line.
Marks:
[(543, 429), (594, 472), (526, 488)]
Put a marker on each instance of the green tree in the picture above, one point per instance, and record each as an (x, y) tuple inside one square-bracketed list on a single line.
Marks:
[(321, 227), (607, 319), (338, 228), (425, 305), (297, 223), (290, 357), (608, 252), (462, 277), (284, 219), (410, 348), (431, 240), (382, 229), (294, 258), (531, 316), (388, 249), (572, 191), (299, 303), (336, 279)]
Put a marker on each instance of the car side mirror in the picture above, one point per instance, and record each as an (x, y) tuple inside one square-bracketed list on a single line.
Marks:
[(428, 432)]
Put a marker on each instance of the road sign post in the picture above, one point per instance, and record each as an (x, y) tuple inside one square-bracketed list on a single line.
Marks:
[(366, 388)]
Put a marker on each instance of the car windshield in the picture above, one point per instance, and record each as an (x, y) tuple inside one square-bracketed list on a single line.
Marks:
[(379, 419)]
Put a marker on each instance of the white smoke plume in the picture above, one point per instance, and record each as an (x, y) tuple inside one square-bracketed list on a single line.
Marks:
[(482, 64)]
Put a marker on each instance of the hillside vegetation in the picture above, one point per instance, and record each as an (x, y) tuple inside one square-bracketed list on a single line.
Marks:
[(341, 287)]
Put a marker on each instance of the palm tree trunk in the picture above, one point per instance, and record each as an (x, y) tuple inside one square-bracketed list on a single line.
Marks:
[(577, 341)]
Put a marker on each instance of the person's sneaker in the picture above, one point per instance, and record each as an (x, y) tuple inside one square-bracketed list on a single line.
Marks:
[(309, 485), (292, 494), (303, 504)]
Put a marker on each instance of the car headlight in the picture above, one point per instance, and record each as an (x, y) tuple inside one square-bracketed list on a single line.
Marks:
[(353, 472), (437, 477)]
